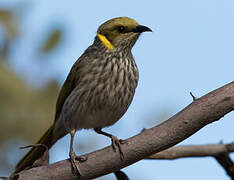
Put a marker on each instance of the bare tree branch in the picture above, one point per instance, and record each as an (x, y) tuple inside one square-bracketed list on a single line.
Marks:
[(193, 151), (120, 175), (218, 151), (198, 114), (225, 161)]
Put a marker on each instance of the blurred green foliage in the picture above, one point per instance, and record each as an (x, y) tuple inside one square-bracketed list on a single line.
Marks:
[(9, 29), (8, 21), (52, 40), (25, 112)]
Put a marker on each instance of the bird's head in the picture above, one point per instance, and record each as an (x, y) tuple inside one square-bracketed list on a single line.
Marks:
[(121, 32)]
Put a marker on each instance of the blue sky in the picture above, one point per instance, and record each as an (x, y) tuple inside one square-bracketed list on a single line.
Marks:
[(190, 49)]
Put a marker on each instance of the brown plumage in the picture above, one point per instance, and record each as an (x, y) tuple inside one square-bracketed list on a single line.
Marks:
[(98, 89)]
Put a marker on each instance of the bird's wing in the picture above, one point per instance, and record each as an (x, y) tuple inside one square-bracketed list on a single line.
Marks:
[(73, 78), (67, 88)]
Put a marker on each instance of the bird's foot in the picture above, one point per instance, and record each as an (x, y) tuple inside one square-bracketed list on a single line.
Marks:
[(116, 144), (81, 158), (74, 163)]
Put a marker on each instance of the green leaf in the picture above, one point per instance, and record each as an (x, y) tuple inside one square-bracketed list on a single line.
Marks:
[(52, 41), (8, 20)]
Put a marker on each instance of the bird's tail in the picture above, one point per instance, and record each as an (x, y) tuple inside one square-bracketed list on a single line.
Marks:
[(36, 152)]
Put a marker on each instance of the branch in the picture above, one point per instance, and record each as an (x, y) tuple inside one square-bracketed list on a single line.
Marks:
[(120, 175), (218, 151), (225, 161), (198, 114), (193, 151)]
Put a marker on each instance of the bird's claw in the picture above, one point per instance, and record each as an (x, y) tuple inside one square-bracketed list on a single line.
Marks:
[(116, 145), (74, 164), (81, 158)]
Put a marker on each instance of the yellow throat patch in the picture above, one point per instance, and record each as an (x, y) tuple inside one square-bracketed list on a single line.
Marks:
[(105, 41)]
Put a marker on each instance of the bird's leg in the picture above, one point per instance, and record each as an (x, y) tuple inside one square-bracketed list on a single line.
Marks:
[(73, 156), (115, 141)]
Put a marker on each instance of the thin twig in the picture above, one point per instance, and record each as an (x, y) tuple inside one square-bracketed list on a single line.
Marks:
[(34, 145), (193, 151), (194, 97)]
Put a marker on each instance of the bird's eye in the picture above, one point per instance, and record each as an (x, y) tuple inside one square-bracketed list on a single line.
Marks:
[(121, 29)]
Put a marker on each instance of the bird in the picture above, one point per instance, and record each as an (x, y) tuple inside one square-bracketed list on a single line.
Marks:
[(97, 91)]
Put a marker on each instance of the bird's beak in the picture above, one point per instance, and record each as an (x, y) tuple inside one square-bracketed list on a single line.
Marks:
[(140, 29)]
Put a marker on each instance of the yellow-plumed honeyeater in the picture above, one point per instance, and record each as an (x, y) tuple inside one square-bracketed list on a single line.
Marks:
[(98, 89)]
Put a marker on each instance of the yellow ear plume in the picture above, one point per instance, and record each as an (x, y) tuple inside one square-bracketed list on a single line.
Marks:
[(105, 41)]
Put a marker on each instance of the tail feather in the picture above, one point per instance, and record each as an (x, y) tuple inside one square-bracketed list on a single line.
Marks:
[(36, 152)]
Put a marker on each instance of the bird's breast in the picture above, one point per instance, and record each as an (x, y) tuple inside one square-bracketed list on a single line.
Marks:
[(117, 83), (111, 89), (104, 91)]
